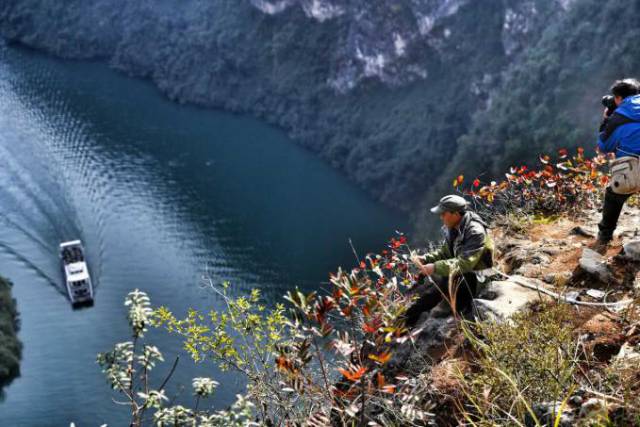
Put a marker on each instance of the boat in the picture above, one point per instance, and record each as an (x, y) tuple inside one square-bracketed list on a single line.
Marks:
[(76, 273)]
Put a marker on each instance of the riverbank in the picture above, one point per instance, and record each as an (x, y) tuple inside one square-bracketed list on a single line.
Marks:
[(11, 347)]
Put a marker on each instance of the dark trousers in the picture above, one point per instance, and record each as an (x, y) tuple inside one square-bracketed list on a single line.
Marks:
[(613, 204), (467, 287)]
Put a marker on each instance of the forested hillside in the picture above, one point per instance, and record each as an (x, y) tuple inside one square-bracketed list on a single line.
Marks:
[(551, 98), (397, 95)]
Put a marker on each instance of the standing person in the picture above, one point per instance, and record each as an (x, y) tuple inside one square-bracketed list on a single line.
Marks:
[(619, 134), (467, 248)]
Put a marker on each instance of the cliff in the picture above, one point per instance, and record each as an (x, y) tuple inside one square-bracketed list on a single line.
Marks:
[(553, 336), (552, 339), (559, 330)]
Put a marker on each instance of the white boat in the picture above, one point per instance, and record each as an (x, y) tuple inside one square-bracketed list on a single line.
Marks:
[(76, 273)]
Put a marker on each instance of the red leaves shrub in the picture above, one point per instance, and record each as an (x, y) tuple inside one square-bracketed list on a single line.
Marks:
[(559, 185), (359, 321)]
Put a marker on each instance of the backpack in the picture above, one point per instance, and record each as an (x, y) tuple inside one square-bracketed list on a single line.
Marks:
[(625, 175)]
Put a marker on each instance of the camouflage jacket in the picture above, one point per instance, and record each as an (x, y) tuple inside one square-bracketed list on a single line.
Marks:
[(466, 248)]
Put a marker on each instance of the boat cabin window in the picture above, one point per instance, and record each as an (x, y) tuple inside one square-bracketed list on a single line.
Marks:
[(72, 254)]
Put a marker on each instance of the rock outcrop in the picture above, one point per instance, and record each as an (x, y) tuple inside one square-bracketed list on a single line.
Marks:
[(503, 298), (546, 264), (595, 264)]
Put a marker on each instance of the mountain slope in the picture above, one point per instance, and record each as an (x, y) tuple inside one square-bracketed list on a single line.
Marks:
[(551, 98), (380, 90)]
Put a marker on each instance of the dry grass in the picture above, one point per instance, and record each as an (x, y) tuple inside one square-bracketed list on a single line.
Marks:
[(529, 360)]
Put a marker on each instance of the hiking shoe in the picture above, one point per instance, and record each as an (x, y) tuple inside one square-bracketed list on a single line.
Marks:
[(443, 309), (600, 245), (605, 238)]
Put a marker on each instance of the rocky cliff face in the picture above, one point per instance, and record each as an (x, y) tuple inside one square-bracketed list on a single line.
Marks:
[(381, 90), (379, 37)]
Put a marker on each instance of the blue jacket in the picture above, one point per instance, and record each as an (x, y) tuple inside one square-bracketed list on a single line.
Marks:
[(620, 133)]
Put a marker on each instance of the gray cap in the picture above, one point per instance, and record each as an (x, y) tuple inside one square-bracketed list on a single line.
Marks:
[(450, 203)]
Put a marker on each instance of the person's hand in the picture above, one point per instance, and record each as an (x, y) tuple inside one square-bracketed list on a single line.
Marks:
[(415, 258), (428, 269)]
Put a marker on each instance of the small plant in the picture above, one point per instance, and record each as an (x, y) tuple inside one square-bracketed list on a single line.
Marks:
[(323, 360), (246, 337), (127, 367), (558, 186)]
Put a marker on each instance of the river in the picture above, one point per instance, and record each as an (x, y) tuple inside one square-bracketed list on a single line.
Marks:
[(159, 193)]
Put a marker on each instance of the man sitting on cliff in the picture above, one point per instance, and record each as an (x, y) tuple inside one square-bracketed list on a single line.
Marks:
[(619, 134), (467, 248)]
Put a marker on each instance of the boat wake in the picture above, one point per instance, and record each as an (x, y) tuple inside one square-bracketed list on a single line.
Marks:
[(37, 207)]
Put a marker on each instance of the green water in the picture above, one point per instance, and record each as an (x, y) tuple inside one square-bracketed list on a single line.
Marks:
[(159, 193)]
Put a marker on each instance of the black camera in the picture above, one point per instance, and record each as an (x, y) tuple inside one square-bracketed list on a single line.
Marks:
[(610, 103)]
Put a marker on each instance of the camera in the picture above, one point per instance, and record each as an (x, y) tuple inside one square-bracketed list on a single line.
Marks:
[(610, 103)]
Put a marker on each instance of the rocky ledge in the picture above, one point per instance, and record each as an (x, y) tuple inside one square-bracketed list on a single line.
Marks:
[(541, 264)]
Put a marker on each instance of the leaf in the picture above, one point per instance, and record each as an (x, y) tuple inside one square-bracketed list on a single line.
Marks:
[(389, 388), (284, 364), (371, 327), (343, 347), (354, 374), (326, 330), (380, 380), (346, 312), (556, 423), (318, 420), (353, 409), (381, 358)]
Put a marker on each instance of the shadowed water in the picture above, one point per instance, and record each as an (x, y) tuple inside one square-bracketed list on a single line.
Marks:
[(157, 192)]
